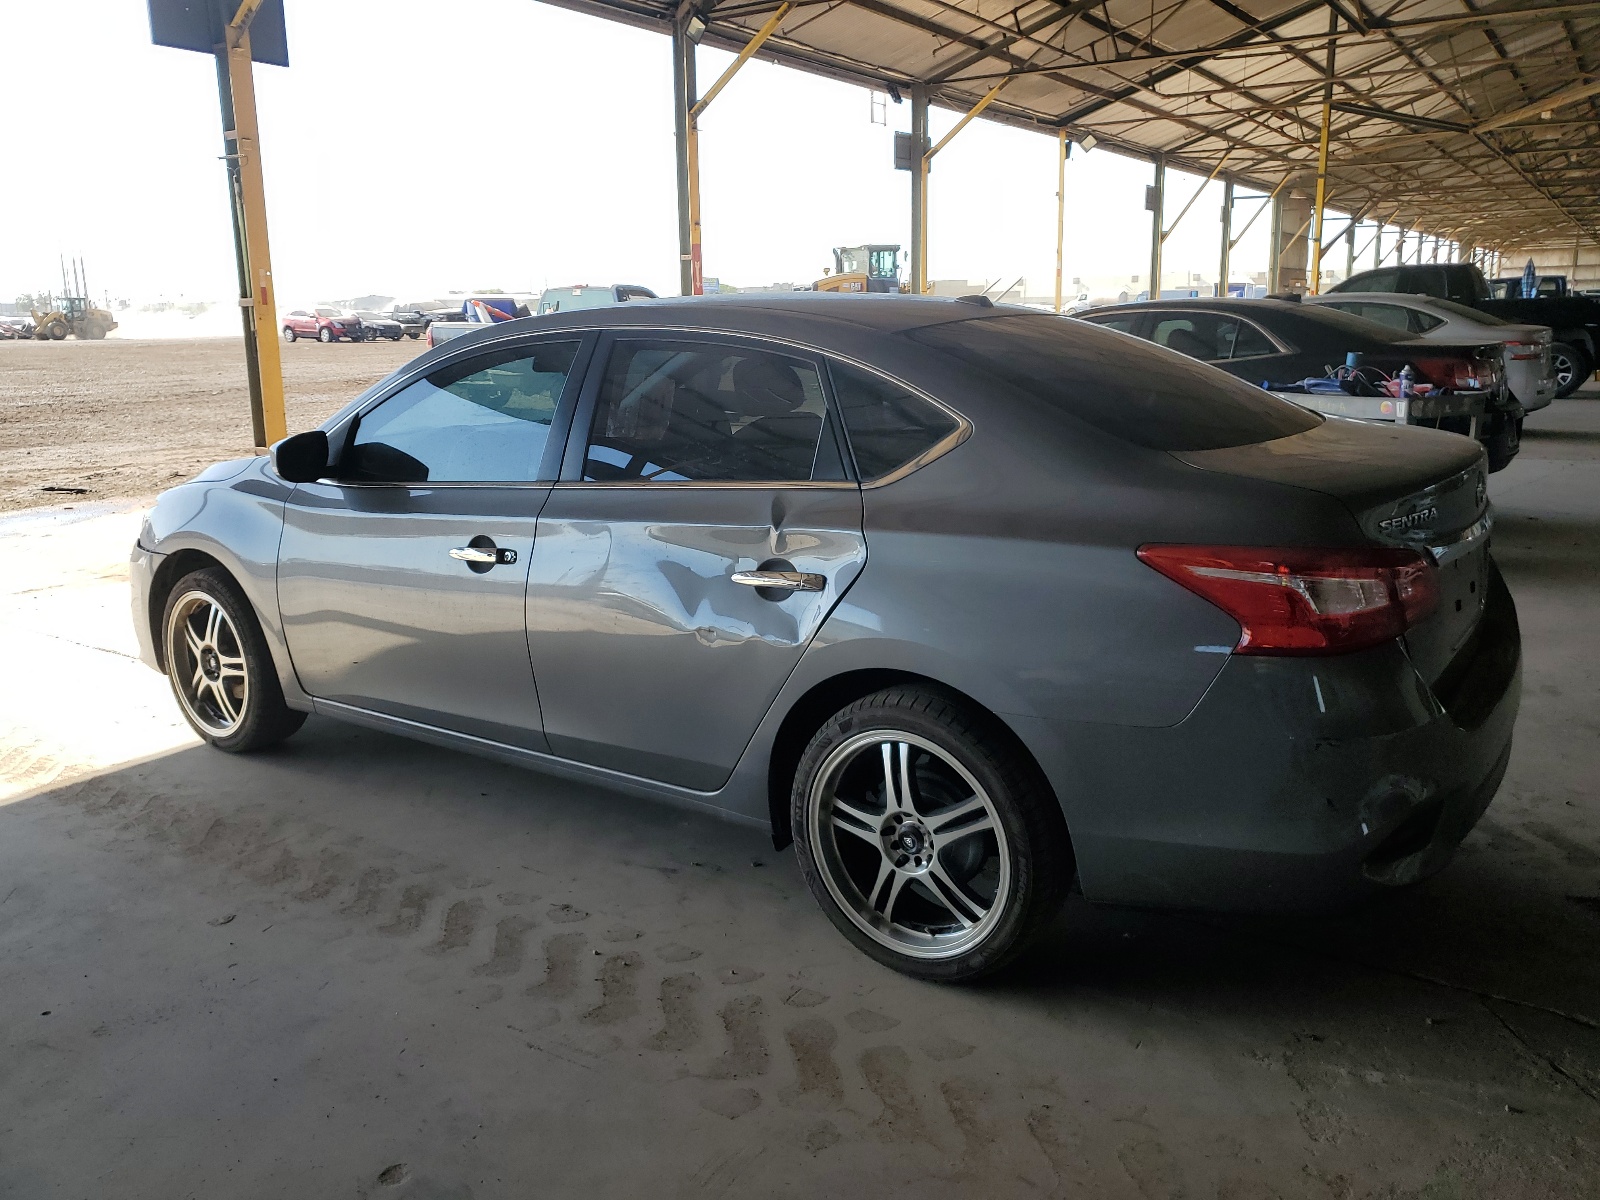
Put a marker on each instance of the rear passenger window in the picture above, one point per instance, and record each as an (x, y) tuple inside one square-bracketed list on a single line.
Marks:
[(1377, 281), (679, 412), (484, 420), (1391, 315), (1248, 342), (888, 426)]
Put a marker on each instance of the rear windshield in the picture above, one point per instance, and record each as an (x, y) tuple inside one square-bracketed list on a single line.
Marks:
[(1332, 320), (1130, 389), (1472, 314)]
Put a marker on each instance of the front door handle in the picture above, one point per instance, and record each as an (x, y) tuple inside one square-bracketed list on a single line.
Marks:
[(789, 581)]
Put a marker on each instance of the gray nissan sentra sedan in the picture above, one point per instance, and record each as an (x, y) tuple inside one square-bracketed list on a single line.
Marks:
[(972, 603)]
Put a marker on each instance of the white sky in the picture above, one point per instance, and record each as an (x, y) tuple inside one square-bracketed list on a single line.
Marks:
[(416, 147)]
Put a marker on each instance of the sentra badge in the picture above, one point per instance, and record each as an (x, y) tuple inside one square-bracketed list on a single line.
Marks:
[(1408, 521)]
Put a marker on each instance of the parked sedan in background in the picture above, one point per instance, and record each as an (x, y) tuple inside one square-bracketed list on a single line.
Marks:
[(1278, 344), (971, 602), (1529, 372), (323, 323), (376, 325)]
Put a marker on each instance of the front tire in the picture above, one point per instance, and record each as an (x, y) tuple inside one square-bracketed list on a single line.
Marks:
[(220, 669), (927, 837), (326, 335)]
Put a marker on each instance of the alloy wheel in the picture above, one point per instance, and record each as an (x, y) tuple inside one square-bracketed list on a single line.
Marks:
[(207, 665), (909, 844)]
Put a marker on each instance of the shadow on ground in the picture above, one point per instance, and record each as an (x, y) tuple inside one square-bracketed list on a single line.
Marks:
[(376, 954)]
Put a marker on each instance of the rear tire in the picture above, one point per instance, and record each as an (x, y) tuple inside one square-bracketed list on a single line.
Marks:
[(289, 335), (414, 334), (1571, 366), (221, 672), (1502, 445), (946, 863)]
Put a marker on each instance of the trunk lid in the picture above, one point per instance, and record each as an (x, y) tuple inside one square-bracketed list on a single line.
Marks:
[(1404, 486)]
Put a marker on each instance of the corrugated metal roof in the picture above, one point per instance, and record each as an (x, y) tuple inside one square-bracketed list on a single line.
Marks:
[(1479, 122)]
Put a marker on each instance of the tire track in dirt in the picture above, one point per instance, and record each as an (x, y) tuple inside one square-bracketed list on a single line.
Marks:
[(847, 1068)]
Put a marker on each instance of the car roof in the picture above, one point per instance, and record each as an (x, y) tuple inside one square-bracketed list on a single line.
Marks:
[(1417, 299), (1201, 303), (771, 313)]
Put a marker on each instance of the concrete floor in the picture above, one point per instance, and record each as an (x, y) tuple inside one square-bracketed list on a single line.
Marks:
[(362, 967)]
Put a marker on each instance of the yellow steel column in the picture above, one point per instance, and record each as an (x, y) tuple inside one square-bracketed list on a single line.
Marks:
[(921, 207), (1314, 284), (253, 199), (692, 138), (697, 277), (1061, 209)]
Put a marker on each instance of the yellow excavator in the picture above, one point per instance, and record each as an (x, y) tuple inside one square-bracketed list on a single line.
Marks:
[(72, 313), (863, 269)]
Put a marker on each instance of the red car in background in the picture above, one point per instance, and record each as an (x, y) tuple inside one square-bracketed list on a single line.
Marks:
[(324, 324)]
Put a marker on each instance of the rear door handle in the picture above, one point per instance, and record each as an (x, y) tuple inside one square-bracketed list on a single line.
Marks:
[(487, 556), (789, 581)]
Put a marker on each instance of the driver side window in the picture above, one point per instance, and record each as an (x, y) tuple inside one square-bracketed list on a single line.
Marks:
[(483, 420)]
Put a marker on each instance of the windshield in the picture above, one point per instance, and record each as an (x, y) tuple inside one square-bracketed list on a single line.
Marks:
[(1122, 386), (329, 312)]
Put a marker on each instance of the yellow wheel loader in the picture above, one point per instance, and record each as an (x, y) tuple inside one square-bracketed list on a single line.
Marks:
[(863, 269)]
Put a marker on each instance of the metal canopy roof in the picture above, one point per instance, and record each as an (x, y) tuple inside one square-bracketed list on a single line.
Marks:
[(1479, 122)]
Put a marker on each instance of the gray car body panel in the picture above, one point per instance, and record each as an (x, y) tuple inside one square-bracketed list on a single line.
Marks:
[(1003, 569)]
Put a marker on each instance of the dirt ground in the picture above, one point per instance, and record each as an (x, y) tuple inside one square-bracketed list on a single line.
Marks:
[(129, 418)]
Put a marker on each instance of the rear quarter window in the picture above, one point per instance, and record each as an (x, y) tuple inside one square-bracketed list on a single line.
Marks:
[(1128, 389), (888, 426)]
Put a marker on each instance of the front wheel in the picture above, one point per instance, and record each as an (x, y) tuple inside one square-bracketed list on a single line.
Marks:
[(326, 335), (56, 331), (927, 837), (220, 669), (414, 334), (1571, 368)]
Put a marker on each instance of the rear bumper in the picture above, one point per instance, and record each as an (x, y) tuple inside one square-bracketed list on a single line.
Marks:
[(1299, 784)]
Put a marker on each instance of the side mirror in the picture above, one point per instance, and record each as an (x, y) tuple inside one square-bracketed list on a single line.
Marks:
[(302, 458)]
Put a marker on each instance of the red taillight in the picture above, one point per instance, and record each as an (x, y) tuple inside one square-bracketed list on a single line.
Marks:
[(1458, 373), (1294, 601)]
